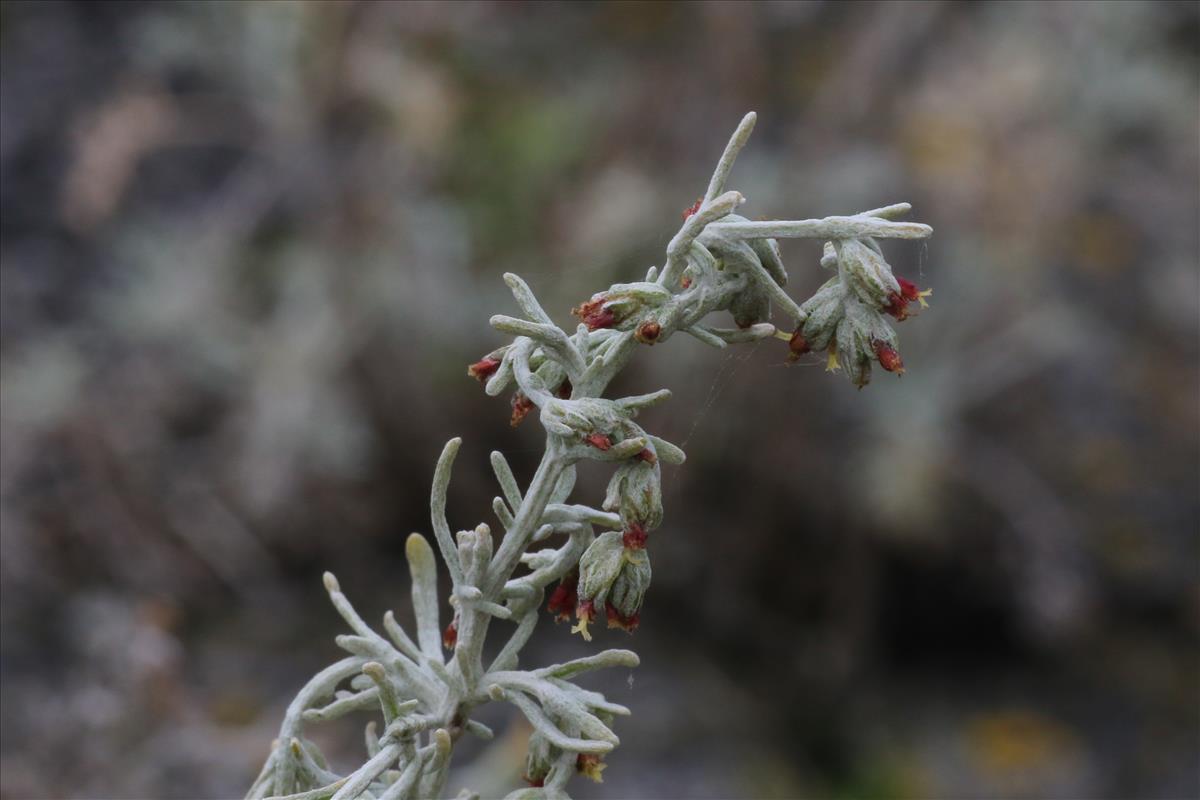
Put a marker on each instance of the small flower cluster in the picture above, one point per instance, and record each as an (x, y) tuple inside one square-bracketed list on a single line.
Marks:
[(845, 318), (614, 572), (625, 306)]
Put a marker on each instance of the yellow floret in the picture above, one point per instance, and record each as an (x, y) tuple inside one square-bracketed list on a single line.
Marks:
[(582, 629), (832, 364)]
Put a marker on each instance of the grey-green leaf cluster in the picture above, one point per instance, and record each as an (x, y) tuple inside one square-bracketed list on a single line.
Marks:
[(422, 693)]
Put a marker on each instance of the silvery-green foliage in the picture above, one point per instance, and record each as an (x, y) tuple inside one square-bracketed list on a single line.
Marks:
[(425, 689)]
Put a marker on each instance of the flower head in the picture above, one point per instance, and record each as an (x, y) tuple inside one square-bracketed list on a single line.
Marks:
[(613, 575), (598, 569), (629, 589), (633, 581), (635, 491), (450, 635), (622, 303), (693, 208), (590, 765)]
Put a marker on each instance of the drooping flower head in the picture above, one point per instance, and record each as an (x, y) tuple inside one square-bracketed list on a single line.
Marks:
[(611, 575), (624, 604), (635, 491), (622, 305)]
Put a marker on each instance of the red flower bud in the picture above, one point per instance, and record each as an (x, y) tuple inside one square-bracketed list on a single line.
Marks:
[(450, 635), (635, 537), (599, 441), (618, 620), (908, 290), (889, 359), (693, 208), (595, 314), (798, 345), (564, 597), (521, 405), (564, 390), (648, 332), (896, 306), (483, 369), (685, 281), (648, 456)]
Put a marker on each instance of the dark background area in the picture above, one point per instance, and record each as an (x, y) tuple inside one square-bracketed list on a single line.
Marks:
[(248, 250)]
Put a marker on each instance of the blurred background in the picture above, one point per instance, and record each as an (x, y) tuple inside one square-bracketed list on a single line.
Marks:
[(249, 249)]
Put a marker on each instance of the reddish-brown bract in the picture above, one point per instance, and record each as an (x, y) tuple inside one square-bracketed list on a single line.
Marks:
[(483, 369), (564, 597), (521, 405), (635, 537), (599, 441), (595, 313), (618, 620)]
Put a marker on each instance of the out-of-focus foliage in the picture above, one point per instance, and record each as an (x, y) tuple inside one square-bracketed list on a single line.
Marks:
[(229, 228)]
